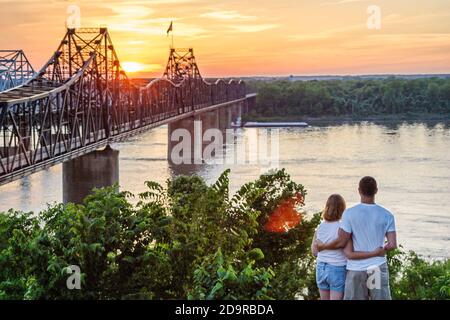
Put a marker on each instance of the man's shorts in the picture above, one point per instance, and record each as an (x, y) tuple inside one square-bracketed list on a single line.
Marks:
[(371, 284)]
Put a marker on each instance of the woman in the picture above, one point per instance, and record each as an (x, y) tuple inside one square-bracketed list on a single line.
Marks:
[(331, 264)]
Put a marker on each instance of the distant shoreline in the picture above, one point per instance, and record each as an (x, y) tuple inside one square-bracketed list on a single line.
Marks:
[(354, 119), (347, 77)]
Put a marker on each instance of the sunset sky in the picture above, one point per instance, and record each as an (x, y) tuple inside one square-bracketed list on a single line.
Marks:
[(247, 37)]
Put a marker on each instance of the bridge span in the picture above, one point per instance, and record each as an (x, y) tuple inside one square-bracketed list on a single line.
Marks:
[(82, 100)]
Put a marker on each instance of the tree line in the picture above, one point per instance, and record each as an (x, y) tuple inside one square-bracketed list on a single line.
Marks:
[(356, 97)]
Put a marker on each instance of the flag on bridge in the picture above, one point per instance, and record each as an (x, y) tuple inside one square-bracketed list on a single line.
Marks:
[(170, 28)]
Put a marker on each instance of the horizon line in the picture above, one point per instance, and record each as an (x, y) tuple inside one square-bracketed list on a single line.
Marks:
[(316, 75)]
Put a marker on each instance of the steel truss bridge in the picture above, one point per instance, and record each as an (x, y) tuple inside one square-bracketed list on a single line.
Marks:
[(15, 69), (82, 100)]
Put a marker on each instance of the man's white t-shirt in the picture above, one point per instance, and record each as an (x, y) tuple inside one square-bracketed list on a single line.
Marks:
[(327, 232), (368, 224)]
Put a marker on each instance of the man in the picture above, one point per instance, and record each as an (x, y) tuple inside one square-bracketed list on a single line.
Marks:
[(368, 225)]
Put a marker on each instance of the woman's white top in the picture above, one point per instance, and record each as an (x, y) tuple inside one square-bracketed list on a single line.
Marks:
[(327, 232)]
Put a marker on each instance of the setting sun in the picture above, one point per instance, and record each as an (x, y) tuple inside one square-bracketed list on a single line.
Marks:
[(131, 67)]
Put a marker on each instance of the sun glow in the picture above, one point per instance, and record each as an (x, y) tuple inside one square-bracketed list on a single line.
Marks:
[(238, 38), (131, 66)]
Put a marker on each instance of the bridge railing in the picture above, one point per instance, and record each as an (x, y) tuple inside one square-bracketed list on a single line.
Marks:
[(163, 98)]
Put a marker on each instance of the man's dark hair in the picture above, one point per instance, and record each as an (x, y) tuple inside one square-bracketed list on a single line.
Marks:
[(368, 186)]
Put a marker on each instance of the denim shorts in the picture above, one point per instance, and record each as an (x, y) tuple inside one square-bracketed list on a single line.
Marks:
[(329, 277)]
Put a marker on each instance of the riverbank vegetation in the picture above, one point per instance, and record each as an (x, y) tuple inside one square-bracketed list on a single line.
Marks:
[(187, 240), (355, 98)]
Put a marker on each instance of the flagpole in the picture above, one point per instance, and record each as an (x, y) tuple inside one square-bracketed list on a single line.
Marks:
[(170, 30)]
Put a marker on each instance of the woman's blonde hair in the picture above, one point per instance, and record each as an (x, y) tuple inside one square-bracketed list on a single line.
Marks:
[(334, 208)]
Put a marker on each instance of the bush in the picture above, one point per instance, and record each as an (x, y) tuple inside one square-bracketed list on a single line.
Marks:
[(216, 279), (413, 278), (189, 240)]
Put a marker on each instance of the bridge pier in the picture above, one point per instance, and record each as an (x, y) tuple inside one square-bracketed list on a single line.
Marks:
[(250, 104), (235, 114), (97, 169), (223, 118)]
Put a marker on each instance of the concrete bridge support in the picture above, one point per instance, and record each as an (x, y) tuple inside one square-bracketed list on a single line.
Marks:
[(224, 118), (250, 104), (97, 169), (237, 111)]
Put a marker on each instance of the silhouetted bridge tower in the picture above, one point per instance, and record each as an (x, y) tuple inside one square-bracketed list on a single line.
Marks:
[(181, 65), (82, 100), (15, 69)]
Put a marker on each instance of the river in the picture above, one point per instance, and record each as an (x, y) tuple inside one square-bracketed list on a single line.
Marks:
[(411, 162)]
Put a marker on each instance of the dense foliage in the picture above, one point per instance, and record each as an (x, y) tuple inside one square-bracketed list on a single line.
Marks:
[(412, 277), (186, 241), (351, 97)]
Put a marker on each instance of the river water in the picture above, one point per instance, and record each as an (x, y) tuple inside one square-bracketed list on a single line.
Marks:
[(411, 162)]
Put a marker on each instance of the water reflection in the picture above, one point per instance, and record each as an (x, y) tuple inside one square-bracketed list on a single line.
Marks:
[(411, 162)]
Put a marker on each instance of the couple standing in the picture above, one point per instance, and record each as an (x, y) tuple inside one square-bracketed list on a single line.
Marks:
[(351, 247)]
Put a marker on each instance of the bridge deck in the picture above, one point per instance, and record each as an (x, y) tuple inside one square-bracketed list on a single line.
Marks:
[(68, 149), (12, 96)]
